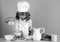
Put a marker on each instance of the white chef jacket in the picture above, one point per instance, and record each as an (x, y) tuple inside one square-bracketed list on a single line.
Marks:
[(22, 26)]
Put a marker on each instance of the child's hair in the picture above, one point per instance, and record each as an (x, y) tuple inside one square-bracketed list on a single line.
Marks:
[(18, 14)]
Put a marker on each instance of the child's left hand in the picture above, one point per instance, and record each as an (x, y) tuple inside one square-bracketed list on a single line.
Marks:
[(28, 38)]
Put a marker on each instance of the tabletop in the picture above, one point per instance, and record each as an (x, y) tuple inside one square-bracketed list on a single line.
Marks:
[(3, 40)]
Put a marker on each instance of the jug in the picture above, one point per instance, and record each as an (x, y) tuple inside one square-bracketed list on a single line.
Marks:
[(37, 34)]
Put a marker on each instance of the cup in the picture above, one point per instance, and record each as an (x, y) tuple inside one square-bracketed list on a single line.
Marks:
[(54, 37)]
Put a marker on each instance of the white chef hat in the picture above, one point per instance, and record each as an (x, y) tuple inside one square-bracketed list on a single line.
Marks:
[(23, 6)]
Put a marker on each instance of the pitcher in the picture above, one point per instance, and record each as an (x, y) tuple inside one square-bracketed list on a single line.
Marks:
[(37, 34)]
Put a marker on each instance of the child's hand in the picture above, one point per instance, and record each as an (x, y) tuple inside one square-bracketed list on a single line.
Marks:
[(6, 20), (11, 23), (28, 38)]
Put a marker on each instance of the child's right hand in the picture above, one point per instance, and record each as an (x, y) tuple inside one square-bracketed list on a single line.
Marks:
[(7, 20), (11, 23)]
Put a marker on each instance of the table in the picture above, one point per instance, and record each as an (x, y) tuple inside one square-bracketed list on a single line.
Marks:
[(3, 40)]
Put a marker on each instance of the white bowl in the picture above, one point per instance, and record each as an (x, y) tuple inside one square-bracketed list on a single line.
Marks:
[(9, 37)]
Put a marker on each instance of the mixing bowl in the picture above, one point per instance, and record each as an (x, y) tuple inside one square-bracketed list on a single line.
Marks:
[(8, 37)]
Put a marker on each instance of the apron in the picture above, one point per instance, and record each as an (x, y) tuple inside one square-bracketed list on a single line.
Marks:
[(22, 26), (25, 30)]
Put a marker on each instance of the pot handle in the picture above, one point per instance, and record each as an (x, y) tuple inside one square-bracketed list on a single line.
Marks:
[(43, 30)]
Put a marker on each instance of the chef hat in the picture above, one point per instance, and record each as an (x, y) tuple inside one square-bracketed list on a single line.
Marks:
[(23, 6)]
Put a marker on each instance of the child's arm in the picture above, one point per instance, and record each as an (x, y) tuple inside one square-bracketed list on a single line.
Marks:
[(30, 24), (9, 20), (11, 23)]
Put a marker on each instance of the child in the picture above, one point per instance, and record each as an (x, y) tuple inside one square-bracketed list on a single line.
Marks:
[(22, 22)]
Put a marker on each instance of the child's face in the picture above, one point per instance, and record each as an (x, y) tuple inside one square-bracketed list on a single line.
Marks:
[(22, 16)]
